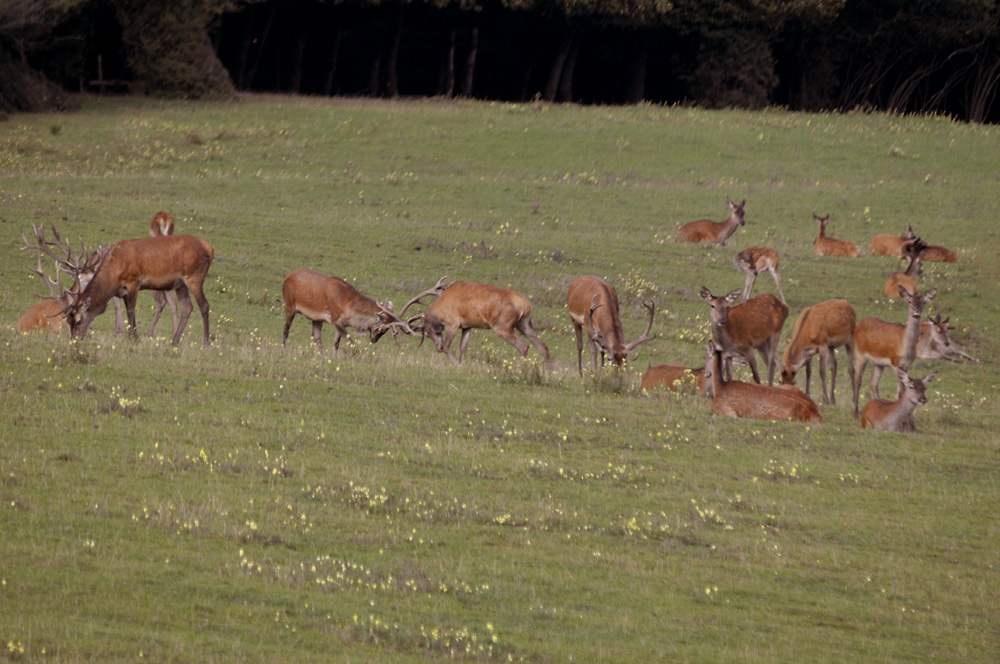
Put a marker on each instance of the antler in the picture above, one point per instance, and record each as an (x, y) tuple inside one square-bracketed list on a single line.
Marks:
[(70, 262), (646, 337), (55, 290), (438, 288)]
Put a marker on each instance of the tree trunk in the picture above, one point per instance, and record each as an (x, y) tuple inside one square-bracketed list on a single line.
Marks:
[(635, 82), (558, 64), (566, 80), (334, 56), (470, 62), (446, 81), (260, 45), (392, 71)]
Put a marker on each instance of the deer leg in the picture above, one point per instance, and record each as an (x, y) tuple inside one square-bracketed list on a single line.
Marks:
[(850, 364), (528, 330), (832, 354), (748, 285), (288, 326), (119, 324), (160, 299), (317, 334), (857, 374), (876, 376), (184, 299), (449, 337), (579, 347), (130, 298), (520, 344), (809, 371), (172, 303), (777, 281), (199, 296), (752, 361)]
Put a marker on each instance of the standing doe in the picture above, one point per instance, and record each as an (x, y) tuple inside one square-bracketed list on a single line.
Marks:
[(754, 260), (753, 325), (820, 329)]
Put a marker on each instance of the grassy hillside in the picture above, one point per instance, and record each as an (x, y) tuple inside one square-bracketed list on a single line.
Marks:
[(251, 502)]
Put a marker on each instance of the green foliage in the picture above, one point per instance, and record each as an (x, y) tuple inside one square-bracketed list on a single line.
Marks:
[(251, 502)]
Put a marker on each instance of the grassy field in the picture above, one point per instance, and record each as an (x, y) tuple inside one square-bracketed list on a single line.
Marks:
[(250, 502)]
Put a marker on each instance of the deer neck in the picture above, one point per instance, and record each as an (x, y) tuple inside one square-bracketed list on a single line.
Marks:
[(911, 336), (913, 269)]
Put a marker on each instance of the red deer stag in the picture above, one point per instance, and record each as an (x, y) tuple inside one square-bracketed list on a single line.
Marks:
[(754, 260), (332, 300), (675, 377), (883, 415), (753, 325), (820, 329), (706, 231), (908, 278), (465, 306), (887, 344), (593, 307), (178, 262), (829, 246), (887, 244), (737, 399)]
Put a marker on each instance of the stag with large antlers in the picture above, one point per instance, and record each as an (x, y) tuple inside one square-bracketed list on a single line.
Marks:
[(48, 315), (168, 262), (465, 306), (593, 307), (321, 298)]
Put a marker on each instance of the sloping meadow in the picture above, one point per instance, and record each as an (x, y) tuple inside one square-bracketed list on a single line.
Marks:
[(253, 502)]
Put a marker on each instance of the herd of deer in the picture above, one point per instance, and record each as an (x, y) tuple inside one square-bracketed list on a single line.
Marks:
[(165, 262)]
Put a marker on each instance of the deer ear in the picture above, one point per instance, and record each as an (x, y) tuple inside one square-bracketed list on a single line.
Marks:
[(732, 297), (730, 203), (706, 294), (929, 295), (903, 293), (928, 378)]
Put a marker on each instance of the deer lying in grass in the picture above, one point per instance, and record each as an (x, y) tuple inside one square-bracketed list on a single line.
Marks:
[(706, 231), (894, 345), (178, 262), (675, 377), (593, 307), (821, 329), (736, 399), (887, 244), (321, 298), (829, 246), (897, 415), (908, 278), (46, 316), (935, 253), (465, 306), (754, 260), (753, 325)]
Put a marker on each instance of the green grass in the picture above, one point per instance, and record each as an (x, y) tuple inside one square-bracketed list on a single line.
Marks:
[(257, 503)]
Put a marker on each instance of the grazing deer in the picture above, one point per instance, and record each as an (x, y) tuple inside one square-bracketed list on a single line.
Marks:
[(828, 246), (753, 325), (593, 306), (706, 231), (887, 244), (332, 300), (754, 260), (887, 344), (897, 415), (465, 306), (674, 377), (907, 279), (178, 262), (820, 329), (737, 399)]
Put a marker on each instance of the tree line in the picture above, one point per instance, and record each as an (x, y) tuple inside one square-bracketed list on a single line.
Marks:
[(933, 56)]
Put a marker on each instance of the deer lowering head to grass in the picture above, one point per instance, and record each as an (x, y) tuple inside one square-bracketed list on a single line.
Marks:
[(894, 345), (897, 415), (332, 300), (913, 250), (737, 399), (821, 329), (593, 308), (170, 262), (753, 325), (465, 306), (829, 246), (754, 260), (887, 244), (706, 231)]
